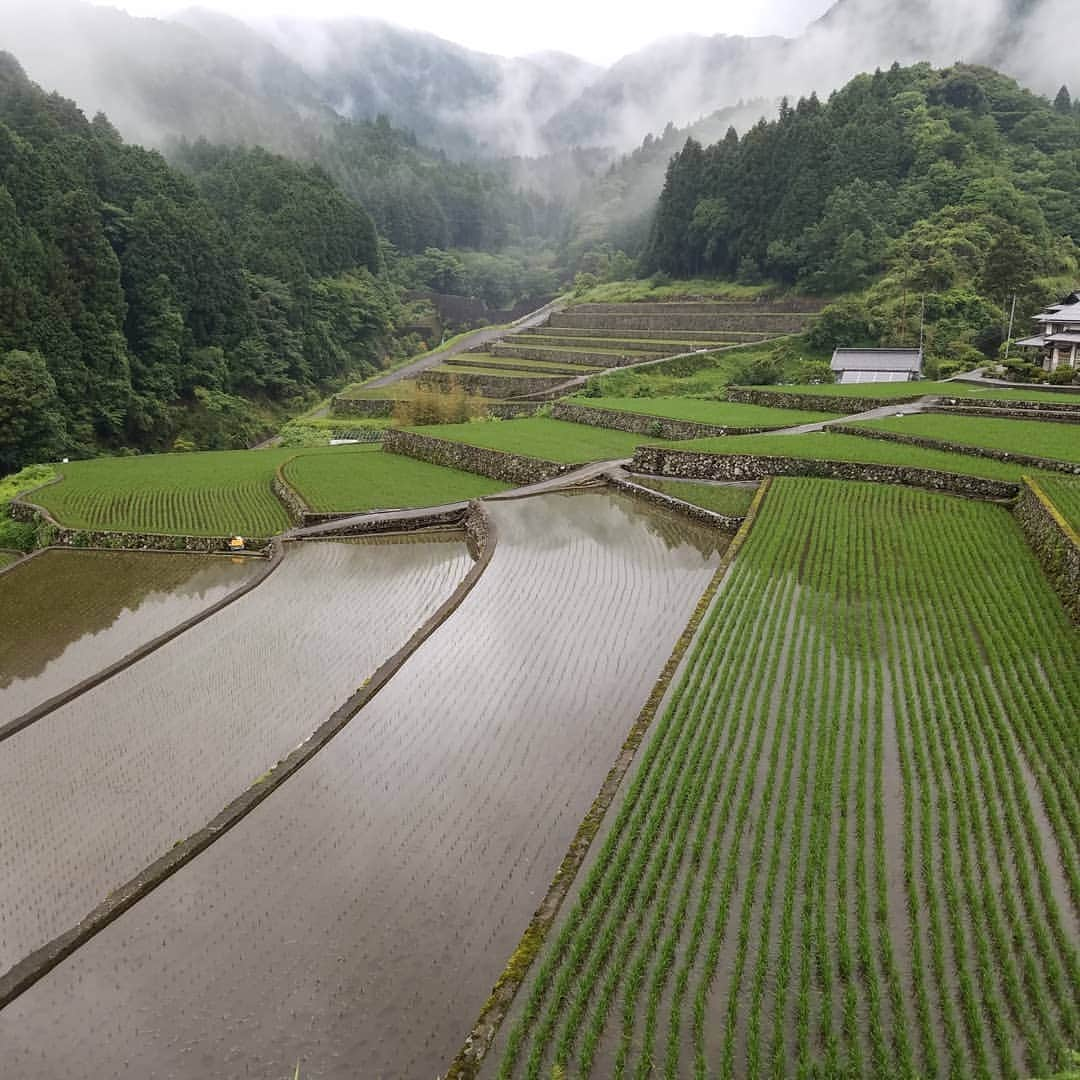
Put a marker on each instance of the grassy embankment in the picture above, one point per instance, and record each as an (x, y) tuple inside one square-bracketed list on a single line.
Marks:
[(824, 446), (224, 492), (731, 501), (879, 664), (542, 437), (627, 292), (1036, 437)]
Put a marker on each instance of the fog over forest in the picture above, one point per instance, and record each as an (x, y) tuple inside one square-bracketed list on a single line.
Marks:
[(212, 74)]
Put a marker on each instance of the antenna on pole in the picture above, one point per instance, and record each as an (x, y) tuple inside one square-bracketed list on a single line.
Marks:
[(1008, 336)]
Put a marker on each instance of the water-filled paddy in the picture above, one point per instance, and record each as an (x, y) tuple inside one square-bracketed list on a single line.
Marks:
[(357, 919), (94, 792), (68, 614)]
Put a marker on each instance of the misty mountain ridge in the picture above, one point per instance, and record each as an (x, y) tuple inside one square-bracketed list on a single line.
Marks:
[(279, 81)]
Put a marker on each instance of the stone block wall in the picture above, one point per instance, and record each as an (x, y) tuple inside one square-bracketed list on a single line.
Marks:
[(625, 321), (493, 386), (1050, 464), (371, 408), (1013, 406), (1055, 543), (701, 337), (845, 406), (516, 469), (581, 357), (692, 465), (800, 305), (1049, 414), (668, 502), (655, 427)]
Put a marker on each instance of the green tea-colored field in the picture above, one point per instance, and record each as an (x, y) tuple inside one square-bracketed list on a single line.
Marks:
[(1064, 493), (920, 389), (826, 446), (702, 411), (208, 494), (373, 480), (542, 437), (1042, 439), (720, 498), (851, 846)]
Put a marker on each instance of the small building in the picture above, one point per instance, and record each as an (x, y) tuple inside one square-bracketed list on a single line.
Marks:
[(877, 365), (1058, 339)]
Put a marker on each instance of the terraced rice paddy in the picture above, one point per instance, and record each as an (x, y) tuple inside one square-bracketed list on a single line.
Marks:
[(356, 920), (207, 494), (94, 792), (542, 437), (852, 845), (374, 480), (1034, 437), (707, 411), (732, 500), (825, 446), (1064, 493), (68, 614), (469, 361)]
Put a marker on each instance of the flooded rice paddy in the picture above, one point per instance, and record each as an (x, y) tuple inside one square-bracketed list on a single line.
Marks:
[(357, 919), (94, 792), (68, 614)]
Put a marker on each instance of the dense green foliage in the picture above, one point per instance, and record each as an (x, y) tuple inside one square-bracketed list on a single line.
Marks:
[(542, 437), (956, 184), (806, 875), (20, 535), (137, 306), (720, 498), (378, 481), (1036, 437)]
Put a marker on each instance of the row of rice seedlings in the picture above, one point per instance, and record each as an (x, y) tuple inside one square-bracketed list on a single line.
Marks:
[(663, 758)]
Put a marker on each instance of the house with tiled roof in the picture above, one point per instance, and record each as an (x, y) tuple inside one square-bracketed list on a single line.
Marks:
[(1058, 339), (876, 365)]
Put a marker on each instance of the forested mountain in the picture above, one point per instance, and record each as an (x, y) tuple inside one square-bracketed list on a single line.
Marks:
[(956, 183), (139, 305)]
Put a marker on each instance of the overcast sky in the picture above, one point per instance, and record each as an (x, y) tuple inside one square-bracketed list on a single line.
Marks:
[(597, 30)]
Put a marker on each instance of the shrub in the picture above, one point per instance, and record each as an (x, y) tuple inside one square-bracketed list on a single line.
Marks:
[(1063, 376)]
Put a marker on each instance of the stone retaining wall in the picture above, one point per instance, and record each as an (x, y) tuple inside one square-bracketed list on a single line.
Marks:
[(656, 427), (516, 469), (389, 523), (372, 408), (1051, 464), (513, 410), (699, 337), (1049, 414), (689, 307), (694, 465), (669, 502), (776, 399), (288, 496), (623, 321), (1014, 406), (1055, 543), (494, 386), (578, 357), (655, 347)]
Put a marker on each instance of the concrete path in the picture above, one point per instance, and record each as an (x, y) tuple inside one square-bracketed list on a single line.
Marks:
[(854, 418), (478, 337)]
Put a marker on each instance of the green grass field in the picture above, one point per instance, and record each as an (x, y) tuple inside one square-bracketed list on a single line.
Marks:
[(824, 446), (702, 411), (850, 846), (8, 557), (886, 391), (1064, 493), (1037, 437), (202, 494), (720, 498), (368, 479), (542, 437)]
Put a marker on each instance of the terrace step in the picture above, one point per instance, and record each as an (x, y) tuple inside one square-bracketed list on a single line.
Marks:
[(661, 346), (582, 358), (491, 384), (701, 337), (677, 325), (703, 307), (504, 364)]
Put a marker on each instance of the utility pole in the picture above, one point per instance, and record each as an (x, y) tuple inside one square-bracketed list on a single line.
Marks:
[(922, 322), (1008, 336)]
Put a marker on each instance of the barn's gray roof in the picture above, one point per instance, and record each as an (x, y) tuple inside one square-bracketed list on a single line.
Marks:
[(1070, 313), (877, 360)]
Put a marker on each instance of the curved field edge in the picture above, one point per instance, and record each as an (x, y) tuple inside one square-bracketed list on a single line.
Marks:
[(466, 1065), (22, 975), (44, 708)]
